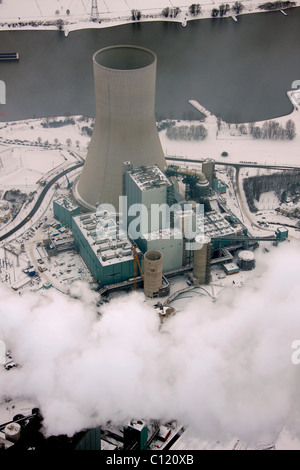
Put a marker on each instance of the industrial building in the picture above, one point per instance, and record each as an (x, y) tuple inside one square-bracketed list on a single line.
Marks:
[(105, 249), (218, 228), (231, 268), (208, 168), (64, 209), (125, 157), (125, 126), (153, 221), (281, 233), (171, 244), (156, 223), (219, 186), (148, 185)]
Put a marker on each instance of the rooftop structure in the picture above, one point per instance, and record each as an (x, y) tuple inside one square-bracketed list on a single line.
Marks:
[(149, 177), (215, 225)]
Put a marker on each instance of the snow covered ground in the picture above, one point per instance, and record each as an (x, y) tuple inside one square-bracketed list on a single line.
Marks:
[(240, 148), (25, 163), (39, 151), (76, 14)]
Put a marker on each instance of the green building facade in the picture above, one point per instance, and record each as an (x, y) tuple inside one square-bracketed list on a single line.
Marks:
[(64, 210), (109, 258)]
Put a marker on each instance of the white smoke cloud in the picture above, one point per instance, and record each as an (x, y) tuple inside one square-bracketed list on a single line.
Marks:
[(223, 368)]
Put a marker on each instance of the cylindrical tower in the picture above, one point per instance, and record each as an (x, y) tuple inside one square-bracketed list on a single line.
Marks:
[(12, 432), (246, 260), (153, 265), (125, 127), (208, 168), (202, 256)]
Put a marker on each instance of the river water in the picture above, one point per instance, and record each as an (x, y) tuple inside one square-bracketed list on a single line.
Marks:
[(238, 70)]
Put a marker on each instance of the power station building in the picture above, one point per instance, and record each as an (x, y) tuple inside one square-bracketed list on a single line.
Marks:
[(153, 226), (105, 249), (64, 210), (148, 188), (125, 126)]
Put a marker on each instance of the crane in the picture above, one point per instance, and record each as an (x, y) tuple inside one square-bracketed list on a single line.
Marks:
[(136, 262), (69, 184)]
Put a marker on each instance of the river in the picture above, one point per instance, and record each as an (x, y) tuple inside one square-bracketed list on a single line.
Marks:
[(238, 70)]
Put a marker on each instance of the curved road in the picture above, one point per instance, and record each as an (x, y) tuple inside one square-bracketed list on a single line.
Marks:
[(39, 201)]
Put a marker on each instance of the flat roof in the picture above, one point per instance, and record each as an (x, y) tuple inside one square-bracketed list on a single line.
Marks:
[(149, 177), (109, 243), (67, 203), (231, 267), (215, 225)]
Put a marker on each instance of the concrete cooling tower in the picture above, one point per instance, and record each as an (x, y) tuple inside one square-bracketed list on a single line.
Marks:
[(125, 127)]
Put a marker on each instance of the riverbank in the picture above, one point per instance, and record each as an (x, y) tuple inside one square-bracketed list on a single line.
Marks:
[(238, 143), (44, 15), (72, 136)]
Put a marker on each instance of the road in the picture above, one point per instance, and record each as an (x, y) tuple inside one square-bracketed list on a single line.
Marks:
[(39, 201), (237, 164)]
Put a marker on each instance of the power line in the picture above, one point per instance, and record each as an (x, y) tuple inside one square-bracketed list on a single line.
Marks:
[(94, 10)]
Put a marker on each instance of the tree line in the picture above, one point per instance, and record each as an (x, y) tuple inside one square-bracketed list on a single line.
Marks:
[(273, 130), (276, 5), (279, 182), (187, 132), (237, 7), (60, 123)]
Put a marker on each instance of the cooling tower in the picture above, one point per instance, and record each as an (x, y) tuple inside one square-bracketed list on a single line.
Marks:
[(125, 127)]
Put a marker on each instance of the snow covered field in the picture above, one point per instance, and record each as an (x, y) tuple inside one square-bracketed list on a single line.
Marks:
[(76, 14), (240, 148), (23, 165), (28, 152)]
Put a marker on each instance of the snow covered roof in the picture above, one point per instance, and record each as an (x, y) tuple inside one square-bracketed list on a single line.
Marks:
[(109, 243), (149, 177)]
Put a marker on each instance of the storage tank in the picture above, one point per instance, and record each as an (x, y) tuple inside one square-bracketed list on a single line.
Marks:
[(12, 432), (202, 256), (246, 260), (125, 126), (153, 265)]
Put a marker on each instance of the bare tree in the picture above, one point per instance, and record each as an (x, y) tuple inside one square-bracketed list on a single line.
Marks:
[(237, 7), (195, 9), (290, 129)]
